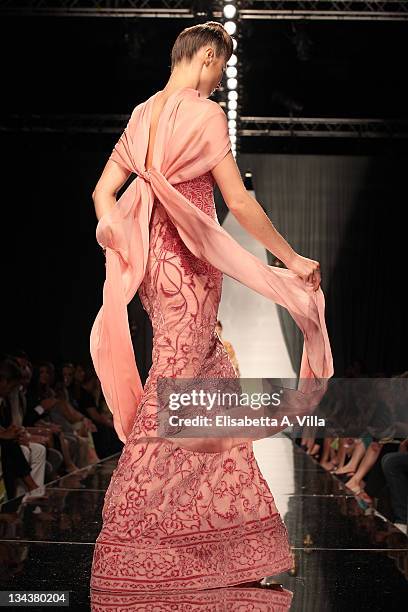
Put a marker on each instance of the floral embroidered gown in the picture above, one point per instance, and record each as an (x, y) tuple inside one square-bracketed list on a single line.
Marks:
[(176, 519)]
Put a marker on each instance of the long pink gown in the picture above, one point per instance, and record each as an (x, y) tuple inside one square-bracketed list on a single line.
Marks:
[(176, 519), (172, 518)]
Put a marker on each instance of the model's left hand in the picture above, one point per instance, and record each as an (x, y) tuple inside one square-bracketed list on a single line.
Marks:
[(307, 269)]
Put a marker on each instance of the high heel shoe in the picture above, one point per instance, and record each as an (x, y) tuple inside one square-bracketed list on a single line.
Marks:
[(258, 584)]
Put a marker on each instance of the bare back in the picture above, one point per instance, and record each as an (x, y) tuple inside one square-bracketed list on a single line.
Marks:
[(158, 105)]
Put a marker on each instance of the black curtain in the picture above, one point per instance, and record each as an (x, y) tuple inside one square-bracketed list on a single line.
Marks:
[(348, 212)]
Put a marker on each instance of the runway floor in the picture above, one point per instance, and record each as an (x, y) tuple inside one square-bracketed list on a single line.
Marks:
[(344, 558)]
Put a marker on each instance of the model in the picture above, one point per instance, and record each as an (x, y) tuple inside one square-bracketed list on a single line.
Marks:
[(196, 513)]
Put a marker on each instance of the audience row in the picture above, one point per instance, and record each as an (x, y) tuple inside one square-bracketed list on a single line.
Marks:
[(51, 423)]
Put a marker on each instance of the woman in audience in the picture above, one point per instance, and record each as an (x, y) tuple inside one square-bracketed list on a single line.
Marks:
[(43, 408), (79, 424), (86, 389)]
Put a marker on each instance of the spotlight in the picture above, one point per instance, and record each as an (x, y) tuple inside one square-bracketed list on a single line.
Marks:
[(229, 11), (232, 83), (231, 27), (231, 71), (248, 180)]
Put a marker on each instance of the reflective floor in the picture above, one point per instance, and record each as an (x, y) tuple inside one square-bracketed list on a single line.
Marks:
[(344, 558)]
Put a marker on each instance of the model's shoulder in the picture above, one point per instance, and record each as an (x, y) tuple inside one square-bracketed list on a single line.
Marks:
[(138, 107), (133, 113), (211, 106), (204, 104), (141, 105)]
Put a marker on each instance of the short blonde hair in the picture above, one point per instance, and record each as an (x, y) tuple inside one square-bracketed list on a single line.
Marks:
[(191, 39)]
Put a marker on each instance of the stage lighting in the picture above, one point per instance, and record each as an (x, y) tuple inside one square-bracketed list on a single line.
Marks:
[(230, 26), (231, 71), (229, 11)]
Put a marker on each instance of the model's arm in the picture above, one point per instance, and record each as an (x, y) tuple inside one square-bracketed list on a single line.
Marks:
[(111, 180), (250, 214)]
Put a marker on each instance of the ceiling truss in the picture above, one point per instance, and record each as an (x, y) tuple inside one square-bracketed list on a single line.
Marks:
[(315, 127), (310, 127), (369, 10)]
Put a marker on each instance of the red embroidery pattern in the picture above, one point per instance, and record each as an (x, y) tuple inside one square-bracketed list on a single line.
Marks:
[(200, 192), (242, 599), (175, 519)]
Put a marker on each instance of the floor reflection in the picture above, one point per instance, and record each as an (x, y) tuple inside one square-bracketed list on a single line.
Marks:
[(344, 558), (214, 600)]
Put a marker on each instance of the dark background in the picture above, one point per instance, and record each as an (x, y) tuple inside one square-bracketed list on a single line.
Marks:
[(317, 68), (52, 269)]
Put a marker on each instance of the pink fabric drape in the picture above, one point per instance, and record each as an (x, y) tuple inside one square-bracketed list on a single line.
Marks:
[(191, 138)]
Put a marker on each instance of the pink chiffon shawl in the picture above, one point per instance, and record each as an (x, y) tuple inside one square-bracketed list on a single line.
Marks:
[(191, 138)]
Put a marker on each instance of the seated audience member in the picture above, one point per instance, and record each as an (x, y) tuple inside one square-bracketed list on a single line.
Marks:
[(228, 347), (68, 376), (87, 392), (354, 449), (23, 462), (80, 424), (395, 468), (43, 407), (43, 434)]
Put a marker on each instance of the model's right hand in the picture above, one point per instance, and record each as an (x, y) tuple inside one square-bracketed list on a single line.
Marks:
[(307, 269)]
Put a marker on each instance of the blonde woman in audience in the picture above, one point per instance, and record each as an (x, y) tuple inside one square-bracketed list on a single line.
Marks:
[(81, 425), (228, 346)]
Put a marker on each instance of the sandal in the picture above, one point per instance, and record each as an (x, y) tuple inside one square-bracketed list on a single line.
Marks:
[(348, 473), (365, 497), (257, 584), (355, 491), (272, 585), (343, 477), (247, 585)]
